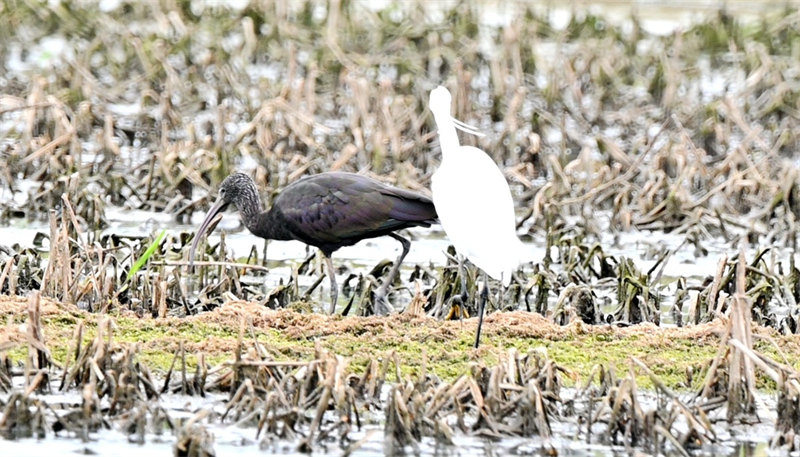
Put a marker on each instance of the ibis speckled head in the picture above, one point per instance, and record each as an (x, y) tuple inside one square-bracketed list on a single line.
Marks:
[(237, 189)]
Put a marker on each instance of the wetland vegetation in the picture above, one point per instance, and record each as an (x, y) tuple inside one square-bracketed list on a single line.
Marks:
[(604, 129)]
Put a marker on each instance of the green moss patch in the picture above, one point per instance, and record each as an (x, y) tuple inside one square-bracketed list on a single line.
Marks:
[(678, 356)]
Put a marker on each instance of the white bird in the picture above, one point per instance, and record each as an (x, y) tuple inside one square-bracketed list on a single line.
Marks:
[(473, 202)]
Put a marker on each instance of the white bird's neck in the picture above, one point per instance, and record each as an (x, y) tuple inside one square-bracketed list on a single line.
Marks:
[(448, 138), (440, 105)]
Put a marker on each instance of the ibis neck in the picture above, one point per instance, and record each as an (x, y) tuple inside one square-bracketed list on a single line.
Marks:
[(250, 211), (270, 225)]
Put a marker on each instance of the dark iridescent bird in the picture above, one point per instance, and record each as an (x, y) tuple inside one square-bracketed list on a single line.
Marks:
[(329, 211)]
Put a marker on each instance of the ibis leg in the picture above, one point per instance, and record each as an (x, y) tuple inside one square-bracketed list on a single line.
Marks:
[(484, 298), (382, 292), (334, 286)]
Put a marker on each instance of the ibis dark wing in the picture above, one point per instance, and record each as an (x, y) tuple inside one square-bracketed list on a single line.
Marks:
[(331, 210)]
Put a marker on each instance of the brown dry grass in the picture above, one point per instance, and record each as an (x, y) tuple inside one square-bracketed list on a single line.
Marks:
[(294, 325), (515, 324)]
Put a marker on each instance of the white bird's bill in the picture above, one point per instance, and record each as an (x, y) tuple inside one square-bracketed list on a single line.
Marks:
[(464, 127)]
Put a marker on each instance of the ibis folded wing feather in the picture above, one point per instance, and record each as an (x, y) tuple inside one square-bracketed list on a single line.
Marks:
[(340, 209)]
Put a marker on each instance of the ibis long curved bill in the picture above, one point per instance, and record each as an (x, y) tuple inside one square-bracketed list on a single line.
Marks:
[(215, 209)]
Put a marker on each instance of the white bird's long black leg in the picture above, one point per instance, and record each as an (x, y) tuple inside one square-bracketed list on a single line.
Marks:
[(462, 273), (382, 292), (334, 286), (484, 298)]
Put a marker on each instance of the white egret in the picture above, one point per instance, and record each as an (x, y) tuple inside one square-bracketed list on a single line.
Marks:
[(474, 203)]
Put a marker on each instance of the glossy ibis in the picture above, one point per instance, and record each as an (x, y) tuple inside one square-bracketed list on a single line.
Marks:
[(474, 203), (329, 211)]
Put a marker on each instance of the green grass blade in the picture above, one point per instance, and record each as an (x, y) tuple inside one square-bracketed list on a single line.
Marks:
[(147, 254)]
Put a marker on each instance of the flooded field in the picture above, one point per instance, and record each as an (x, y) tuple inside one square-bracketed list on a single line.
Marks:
[(652, 157)]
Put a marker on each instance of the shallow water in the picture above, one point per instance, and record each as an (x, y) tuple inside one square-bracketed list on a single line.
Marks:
[(229, 439)]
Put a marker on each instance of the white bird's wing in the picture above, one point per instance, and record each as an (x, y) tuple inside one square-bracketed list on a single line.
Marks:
[(476, 210)]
